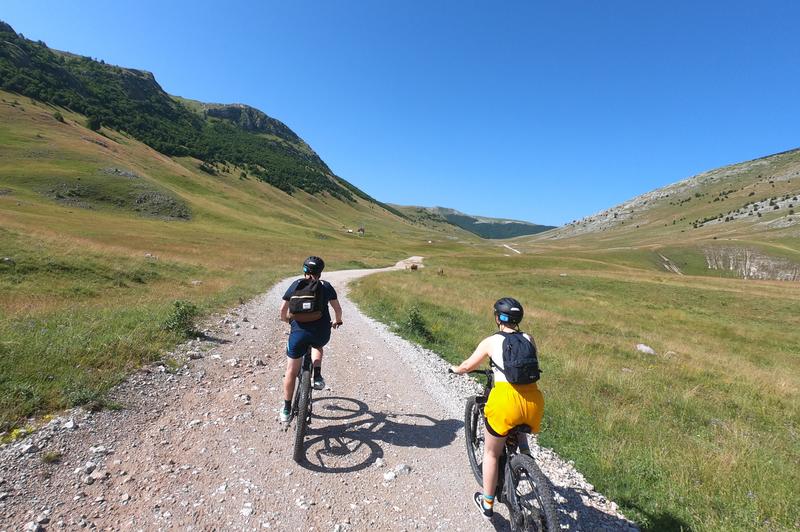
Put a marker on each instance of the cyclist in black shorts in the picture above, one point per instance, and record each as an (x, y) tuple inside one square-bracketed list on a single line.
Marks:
[(315, 334)]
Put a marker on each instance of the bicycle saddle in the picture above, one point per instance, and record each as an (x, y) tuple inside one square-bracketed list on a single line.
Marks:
[(524, 429)]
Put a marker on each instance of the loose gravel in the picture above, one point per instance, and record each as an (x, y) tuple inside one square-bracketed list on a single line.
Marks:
[(200, 446)]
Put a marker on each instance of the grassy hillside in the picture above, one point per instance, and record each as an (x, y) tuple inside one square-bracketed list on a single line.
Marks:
[(741, 220), (132, 101), (103, 234), (482, 226)]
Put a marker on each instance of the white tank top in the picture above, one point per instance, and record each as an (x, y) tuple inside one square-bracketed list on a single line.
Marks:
[(496, 354)]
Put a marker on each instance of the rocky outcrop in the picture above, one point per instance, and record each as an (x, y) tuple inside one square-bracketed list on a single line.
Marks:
[(253, 120), (748, 263), (778, 167)]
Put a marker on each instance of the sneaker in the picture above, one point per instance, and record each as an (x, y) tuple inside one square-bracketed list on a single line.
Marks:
[(285, 415), (319, 383), (478, 498)]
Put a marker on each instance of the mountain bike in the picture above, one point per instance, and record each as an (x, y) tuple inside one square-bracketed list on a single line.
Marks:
[(521, 485), (301, 407)]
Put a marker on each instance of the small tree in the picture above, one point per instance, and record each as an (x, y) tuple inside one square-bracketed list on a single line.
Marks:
[(58, 116), (93, 122)]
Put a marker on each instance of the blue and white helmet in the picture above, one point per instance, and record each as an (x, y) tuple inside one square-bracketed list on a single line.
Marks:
[(508, 310), (313, 265)]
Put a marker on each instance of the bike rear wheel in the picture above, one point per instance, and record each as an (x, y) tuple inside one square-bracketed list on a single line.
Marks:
[(474, 436), (535, 507), (303, 403)]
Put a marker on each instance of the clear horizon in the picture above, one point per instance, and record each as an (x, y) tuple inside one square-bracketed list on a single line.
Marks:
[(537, 113)]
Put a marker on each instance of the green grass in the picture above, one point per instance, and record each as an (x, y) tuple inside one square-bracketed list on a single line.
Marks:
[(701, 437), (75, 323)]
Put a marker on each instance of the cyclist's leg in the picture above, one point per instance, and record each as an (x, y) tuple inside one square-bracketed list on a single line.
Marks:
[(295, 349), (318, 343), (316, 356), (492, 450), (317, 381), (317, 350), (290, 377), (498, 411)]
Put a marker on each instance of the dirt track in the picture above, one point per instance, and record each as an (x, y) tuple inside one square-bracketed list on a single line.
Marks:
[(204, 449)]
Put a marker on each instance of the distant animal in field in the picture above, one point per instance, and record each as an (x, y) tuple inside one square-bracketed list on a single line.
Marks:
[(440, 271)]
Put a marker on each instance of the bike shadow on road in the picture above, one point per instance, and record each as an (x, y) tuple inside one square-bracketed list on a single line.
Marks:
[(346, 436)]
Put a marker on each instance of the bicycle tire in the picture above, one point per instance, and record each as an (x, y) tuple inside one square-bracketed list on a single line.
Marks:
[(538, 510), (303, 401), (473, 435)]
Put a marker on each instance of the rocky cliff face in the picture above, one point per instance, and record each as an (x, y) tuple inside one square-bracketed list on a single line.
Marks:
[(251, 119), (751, 264)]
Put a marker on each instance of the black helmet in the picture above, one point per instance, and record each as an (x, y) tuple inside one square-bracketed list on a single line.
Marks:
[(313, 265), (509, 311)]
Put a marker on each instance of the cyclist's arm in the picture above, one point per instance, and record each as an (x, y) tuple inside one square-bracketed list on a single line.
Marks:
[(285, 311), (337, 309), (477, 358)]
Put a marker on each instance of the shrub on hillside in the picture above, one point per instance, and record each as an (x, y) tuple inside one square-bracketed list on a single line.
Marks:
[(208, 168), (415, 325), (58, 116), (93, 123), (181, 318)]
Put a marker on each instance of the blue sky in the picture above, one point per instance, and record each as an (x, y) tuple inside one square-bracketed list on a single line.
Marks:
[(543, 111)]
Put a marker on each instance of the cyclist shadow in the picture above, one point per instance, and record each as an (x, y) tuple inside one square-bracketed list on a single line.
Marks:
[(573, 511), (348, 440)]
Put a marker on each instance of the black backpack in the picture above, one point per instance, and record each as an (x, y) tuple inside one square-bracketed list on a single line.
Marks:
[(520, 360), (307, 302)]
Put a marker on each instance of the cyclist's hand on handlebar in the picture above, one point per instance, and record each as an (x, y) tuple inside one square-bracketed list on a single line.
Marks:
[(336, 324)]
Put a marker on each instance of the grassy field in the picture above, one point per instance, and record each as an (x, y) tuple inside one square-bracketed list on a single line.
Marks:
[(703, 436), (94, 276)]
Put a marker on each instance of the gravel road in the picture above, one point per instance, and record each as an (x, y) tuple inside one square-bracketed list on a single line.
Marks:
[(201, 447)]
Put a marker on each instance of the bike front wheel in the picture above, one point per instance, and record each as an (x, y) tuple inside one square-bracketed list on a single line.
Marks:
[(303, 404), (533, 507), (474, 436)]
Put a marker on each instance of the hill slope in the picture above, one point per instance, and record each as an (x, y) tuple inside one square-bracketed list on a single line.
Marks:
[(132, 101), (482, 226), (754, 197), (740, 220)]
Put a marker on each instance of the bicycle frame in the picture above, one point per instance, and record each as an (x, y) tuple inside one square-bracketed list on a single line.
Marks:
[(305, 366)]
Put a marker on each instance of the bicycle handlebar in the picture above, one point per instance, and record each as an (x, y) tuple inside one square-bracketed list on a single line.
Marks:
[(473, 372)]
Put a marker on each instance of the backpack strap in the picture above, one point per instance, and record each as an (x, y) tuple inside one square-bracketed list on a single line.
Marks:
[(491, 362)]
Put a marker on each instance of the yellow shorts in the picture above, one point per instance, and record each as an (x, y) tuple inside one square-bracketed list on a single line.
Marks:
[(510, 405)]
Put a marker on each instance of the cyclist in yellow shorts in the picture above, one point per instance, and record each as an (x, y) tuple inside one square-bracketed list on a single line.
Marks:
[(509, 404)]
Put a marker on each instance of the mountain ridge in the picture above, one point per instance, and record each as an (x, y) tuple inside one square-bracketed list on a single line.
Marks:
[(759, 188), (483, 226), (132, 101)]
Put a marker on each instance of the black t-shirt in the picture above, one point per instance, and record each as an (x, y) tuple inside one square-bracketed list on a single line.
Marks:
[(328, 294)]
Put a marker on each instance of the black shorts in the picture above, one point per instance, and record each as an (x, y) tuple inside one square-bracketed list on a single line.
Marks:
[(301, 339)]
